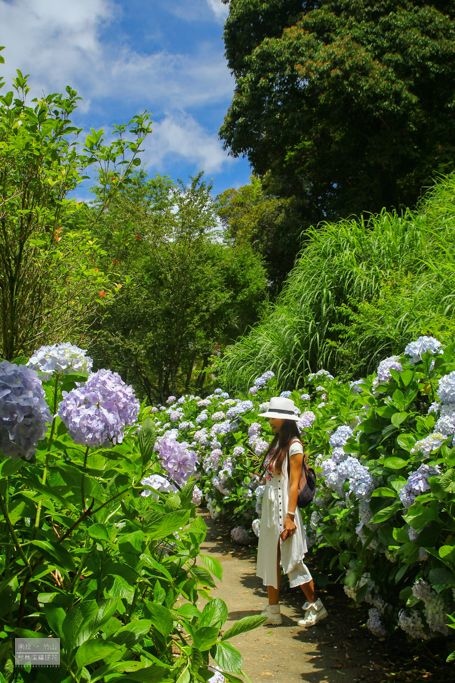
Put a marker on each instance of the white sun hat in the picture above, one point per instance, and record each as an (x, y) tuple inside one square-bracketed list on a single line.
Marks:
[(281, 408)]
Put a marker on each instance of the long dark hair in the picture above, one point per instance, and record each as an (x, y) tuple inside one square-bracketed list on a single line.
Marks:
[(280, 444)]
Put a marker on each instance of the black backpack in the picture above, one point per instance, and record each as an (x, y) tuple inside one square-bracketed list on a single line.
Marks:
[(307, 484)]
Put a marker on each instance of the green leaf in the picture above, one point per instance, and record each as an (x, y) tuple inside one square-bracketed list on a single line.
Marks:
[(168, 524), (213, 565), (214, 613), (394, 463), (161, 617), (95, 650), (205, 638), (399, 418), (386, 513), (384, 492), (406, 441), (446, 551), (228, 658), (55, 617), (243, 625), (98, 532)]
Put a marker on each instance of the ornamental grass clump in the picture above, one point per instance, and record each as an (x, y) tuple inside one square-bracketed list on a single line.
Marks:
[(24, 413)]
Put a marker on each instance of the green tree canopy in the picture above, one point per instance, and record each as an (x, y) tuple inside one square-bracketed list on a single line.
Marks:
[(346, 104), (185, 293)]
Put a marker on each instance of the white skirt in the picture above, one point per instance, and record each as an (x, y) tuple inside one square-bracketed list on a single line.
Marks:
[(292, 550)]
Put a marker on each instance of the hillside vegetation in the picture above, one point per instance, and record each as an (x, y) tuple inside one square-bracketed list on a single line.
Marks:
[(361, 290)]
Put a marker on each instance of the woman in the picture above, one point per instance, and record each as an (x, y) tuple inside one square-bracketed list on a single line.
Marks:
[(282, 538)]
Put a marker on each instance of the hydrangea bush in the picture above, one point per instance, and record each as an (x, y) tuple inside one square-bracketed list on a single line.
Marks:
[(99, 535), (383, 446)]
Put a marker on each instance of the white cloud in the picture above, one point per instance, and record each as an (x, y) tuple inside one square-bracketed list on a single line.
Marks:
[(220, 9), (181, 136), (59, 43)]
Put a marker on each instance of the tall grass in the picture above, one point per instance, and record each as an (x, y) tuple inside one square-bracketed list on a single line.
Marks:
[(361, 289)]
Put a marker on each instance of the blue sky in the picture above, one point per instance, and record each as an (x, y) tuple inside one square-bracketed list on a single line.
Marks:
[(125, 56)]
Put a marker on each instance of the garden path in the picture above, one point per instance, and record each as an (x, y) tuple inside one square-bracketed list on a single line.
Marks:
[(337, 650)]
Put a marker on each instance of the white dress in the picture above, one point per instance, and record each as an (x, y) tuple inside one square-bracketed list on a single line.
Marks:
[(293, 549)]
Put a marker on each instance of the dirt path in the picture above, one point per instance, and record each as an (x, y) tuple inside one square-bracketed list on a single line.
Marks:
[(338, 649)]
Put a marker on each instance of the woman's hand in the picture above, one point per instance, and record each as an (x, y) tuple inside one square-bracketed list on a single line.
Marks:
[(289, 528)]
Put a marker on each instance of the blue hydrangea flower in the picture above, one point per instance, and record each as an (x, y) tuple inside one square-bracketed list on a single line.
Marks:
[(446, 388), (97, 412), (416, 349), (320, 374), (239, 409), (416, 484), (286, 394), (238, 451), (384, 368), (24, 413), (221, 428), (218, 416), (340, 436), (63, 358), (261, 381), (446, 422)]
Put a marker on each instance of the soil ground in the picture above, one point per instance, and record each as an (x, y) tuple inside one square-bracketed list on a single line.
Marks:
[(337, 650)]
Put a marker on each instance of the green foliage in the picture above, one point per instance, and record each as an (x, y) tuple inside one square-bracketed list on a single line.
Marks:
[(334, 99), (185, 291), (49, 259), (360, 290), (113, 574)]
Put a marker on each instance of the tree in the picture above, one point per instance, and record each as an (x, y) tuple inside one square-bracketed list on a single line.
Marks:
[(186, 292), (344, 104), (49, 274), (270, 224)]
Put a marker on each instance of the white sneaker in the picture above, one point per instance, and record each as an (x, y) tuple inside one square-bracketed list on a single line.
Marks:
[(272, 612), (306, 605), (314, 613)]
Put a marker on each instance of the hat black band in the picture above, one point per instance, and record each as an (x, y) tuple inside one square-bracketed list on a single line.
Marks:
[(278, 410)]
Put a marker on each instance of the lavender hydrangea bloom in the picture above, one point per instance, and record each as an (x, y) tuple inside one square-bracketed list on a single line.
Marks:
[(254, 429), (260, 446), (197, 496), (383, 373), (340, 436), (176, 458), (417, 483), (446, 424), (446, 388), (238, 451), (285, 394), (171, 399), (351, 470), (253, 390), (97, 412), (306, 419), (218, 416), (24, 413), (63, 358), (217, 677), (416, 349)]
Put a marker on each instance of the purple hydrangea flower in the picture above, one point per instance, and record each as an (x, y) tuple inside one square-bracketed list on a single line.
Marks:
[(62, 358), (286, 394), (254, 429), (429, 444), (24, 413), (176, 457), (218, 416), (417, 483), (416, 349), (446, 423), (320, 373), (306, 419), (238, 451), (97, 412), (240, 535), (221, 428), (171, 399), (253, 390)]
